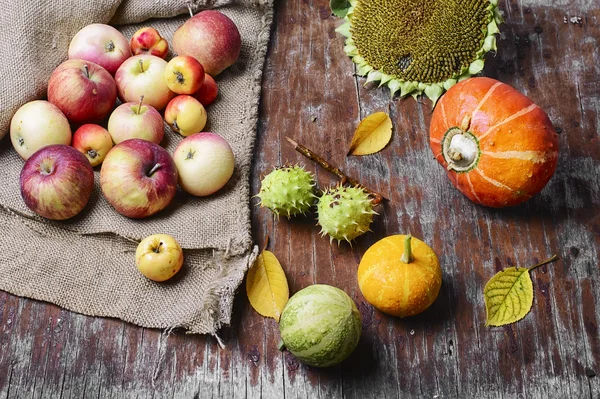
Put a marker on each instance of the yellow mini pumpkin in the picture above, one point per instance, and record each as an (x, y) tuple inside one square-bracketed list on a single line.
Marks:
[(400, 275)]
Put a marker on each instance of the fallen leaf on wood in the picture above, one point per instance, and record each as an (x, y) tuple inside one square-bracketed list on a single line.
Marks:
[(508, 295), (372, 134), (266, 286)]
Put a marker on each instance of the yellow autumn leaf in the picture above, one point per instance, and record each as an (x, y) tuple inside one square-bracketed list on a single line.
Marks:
[(372, 134), (508, 295), (266, 286)]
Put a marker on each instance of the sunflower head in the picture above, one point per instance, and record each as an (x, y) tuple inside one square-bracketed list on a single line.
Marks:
[(416, 46)]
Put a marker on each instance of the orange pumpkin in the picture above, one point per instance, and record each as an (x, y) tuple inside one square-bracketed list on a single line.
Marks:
[(498, 147)]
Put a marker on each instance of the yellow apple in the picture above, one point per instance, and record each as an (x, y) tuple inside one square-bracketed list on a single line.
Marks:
[(184, 75), (185, 115), (159, 257)]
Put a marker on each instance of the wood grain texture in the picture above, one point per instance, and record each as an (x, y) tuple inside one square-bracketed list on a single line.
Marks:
[(446, 352)]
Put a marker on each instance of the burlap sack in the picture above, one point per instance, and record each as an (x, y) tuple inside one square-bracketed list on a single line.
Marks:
[(86, 264)]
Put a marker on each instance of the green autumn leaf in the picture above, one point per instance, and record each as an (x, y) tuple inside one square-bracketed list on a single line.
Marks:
[(339, 7), (509, 295)]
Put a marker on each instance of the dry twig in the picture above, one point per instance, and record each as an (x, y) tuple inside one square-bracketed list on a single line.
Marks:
[(377, 197)]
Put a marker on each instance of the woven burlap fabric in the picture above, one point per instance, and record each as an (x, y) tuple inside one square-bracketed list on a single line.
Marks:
[(86, 264)]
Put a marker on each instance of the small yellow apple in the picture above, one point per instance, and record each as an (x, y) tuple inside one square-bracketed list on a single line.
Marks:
[(184, 75), (185, 115), (159, 257)]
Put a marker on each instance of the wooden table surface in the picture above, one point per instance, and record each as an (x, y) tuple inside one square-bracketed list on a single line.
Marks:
[(549, 52)]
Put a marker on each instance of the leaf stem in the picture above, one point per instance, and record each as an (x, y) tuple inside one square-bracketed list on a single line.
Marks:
[(552, 259), (281, 345), (377, 197), (407, 256)]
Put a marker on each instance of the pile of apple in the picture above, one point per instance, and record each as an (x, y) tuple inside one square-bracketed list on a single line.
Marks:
[(138, 177)]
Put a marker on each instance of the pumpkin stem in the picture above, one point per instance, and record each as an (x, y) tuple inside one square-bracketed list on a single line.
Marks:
[(460, 149), (407, 255)]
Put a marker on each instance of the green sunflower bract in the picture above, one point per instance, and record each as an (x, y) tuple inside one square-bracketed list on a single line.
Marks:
[(420, 46)]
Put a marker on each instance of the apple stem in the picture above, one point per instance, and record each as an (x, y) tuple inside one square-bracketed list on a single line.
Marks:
[(157, 248), (140, 105), (190, 10), (142, 65), (154, 169), (87, 71)]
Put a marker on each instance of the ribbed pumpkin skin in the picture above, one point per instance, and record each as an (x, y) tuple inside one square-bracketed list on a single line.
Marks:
[(398, 288), (518, 145)]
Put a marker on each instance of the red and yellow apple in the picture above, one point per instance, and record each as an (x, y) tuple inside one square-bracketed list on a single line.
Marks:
[(143, 75), (138, 178), (38, 124), (212, 38), (84, 91), (93, 141), (159, 257), (101, 44), (148, 41), (185, 115), (136, 121), (57, 182), (208, 91), (205, 163), (184, 74)]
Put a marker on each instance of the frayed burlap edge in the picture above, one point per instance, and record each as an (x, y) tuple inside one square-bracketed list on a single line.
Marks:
[(218, 298)]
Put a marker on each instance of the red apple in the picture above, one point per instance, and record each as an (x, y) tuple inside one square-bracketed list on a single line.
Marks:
[(148, 41), (204, 162), (208, 91), (210, 37), (138, 178), (93, 141), (136, 121), (101, 44), (82, 90), (38, 124), (143, 75), (56, 182), (184, 74), (185, 115)]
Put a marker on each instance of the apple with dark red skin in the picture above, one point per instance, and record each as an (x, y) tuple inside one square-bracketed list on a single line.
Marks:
[(148, 41), (138, 178), (57, 182), (85, 92), (212, 38), (101, 44), (93, 141), (208, 91)]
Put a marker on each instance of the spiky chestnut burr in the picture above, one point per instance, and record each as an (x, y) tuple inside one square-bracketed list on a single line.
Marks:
[(288, 191), (345, 213)]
